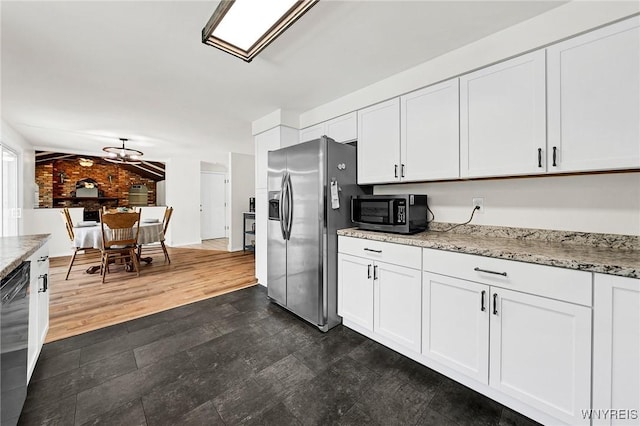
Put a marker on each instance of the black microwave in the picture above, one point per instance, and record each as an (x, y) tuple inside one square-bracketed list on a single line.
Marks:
[(403, 214)]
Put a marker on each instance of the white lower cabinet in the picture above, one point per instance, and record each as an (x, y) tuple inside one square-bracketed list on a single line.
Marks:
[(531, 348), (455, 324), (541, 353), (355, 290), (397, 304), (380, 297), (38, 305), (616, 351)]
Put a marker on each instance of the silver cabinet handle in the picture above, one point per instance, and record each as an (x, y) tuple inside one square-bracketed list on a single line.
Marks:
[(482, 308), (375, 251), (495, 303), (375, 272), (45, 283), (504, 274), (368, 271)]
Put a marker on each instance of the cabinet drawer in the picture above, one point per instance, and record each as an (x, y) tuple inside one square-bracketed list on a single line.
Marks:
[(557, 283), (397, 254)]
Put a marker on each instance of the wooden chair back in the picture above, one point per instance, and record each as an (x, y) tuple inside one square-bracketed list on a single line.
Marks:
[(66, 216), (120, 229), (165, 220)]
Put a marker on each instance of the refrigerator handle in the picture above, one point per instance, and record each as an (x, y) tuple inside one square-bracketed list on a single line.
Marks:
[(289, 206), (281, 207)]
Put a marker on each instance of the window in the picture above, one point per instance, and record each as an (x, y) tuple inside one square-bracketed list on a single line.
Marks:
[(9, 185)]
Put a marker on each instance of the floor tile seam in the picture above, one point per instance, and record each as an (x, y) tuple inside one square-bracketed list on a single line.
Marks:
[(106, 357), (185, 349)]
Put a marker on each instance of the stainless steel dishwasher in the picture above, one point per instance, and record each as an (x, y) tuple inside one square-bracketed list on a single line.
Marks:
[(14, 339)]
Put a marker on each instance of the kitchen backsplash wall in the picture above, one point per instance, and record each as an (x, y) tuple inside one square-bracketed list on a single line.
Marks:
[(57, 179), (603, 203)]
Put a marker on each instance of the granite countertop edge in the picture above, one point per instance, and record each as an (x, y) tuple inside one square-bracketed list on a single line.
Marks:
[(498, 248), (15, 250)]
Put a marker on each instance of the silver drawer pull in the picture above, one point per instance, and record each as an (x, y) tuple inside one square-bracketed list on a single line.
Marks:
[(375, 251), (504, 274)]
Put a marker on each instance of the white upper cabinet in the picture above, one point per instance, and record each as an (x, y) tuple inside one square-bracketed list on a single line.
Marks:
[(502, 118), (594, 100), (341, 129), (379, 143), (265, 142), (270, 140), (312, 132), (429, 133)]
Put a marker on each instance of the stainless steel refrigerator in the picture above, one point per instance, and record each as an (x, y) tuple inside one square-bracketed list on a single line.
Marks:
[(302, 246)]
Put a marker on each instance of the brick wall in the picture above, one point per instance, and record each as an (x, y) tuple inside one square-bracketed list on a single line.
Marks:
[(57, 179)]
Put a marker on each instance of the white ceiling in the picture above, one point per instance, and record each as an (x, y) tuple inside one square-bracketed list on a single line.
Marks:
[(77, 75)]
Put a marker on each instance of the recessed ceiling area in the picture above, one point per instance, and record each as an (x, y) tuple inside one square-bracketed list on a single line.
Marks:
[(76, 76)]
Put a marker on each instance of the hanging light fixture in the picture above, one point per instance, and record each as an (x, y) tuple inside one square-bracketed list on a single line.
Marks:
[(122, 155)]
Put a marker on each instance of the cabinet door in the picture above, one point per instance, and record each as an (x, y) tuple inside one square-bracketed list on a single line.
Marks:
[(43, 293), (455, 324), (343, 128), (38, 306), (541, 353), (594, 99), (616, 346), (312, 132), (397, 304), (355, 290), (430, 133), (502, 118), (379, 143), (265, 142), (261, 235)]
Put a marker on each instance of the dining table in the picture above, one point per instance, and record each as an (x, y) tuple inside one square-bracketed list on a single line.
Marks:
[(88, 235)]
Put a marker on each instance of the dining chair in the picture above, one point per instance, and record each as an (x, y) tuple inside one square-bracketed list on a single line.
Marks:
[(165, 225), (81, 255), (119, 239)]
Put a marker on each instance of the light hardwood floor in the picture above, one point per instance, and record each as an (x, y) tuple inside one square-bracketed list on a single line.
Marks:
[(214, 244), (83, 303)]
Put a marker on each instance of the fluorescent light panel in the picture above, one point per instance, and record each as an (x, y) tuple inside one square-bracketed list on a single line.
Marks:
[(245, 27)]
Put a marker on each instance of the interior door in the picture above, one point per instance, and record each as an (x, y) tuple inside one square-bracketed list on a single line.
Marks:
[(304, 246), (212, 205)]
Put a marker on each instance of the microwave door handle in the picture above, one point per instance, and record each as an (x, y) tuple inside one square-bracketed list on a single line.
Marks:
[(353, 203)]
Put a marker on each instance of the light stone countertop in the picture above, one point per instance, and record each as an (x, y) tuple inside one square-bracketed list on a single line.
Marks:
[(15, 250), (602, 253)]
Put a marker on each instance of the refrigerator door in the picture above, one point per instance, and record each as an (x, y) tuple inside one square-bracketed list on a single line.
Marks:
[(306, 221), (276, 243)]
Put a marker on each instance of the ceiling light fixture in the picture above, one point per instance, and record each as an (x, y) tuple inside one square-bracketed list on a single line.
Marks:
[(85, 162), (122, 155), (244, 27)]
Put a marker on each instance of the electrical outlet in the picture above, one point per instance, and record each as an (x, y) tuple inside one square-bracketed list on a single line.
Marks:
[(479, 202)]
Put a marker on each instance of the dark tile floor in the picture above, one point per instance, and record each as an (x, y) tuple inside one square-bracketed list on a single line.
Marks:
[(238, 358)]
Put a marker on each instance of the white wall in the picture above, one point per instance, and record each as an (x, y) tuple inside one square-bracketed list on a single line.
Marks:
[(544, 29), (183, 194), (607, 203), (241, 185)]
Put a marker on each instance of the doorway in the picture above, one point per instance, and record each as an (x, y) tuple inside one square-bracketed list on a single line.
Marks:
[(213, 197)]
